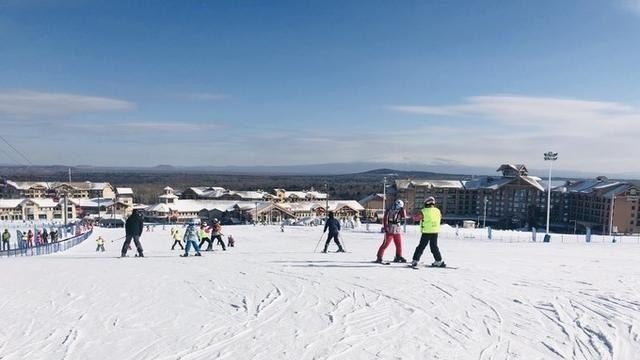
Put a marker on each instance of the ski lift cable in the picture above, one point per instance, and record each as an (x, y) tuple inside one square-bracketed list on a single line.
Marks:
[(16, 150), (9, 156)]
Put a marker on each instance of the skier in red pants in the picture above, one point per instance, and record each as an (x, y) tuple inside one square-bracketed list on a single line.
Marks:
[(394, 217)]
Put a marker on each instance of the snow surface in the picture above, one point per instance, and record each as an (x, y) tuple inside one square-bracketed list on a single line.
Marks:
[(271, 297)]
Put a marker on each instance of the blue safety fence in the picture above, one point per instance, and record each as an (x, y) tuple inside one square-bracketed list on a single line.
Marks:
[(49, 248)]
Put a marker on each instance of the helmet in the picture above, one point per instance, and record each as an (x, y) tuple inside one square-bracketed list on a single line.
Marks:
[(399, 203), (215, 220), (430, 201)]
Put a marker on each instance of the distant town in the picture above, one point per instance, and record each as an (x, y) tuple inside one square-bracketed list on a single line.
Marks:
[(511, 200)]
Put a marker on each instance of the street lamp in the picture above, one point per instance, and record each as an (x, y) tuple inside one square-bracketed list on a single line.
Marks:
[(551, 157), (613, 200), (326, 201), (484, 219), (384, 193)]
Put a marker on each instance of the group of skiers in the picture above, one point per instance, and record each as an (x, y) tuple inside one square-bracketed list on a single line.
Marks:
[(192, 234), (29, 238), (394, 217), (205, 234)]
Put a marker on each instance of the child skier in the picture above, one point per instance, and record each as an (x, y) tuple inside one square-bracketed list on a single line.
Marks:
[(175, 235), (231, 242), (430, 218), (191, 238), (204, 237), (216, 233), (393, 218), (100, 242)]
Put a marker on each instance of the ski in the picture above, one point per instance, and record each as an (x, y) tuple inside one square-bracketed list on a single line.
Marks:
[(382, 263), (441, 267)]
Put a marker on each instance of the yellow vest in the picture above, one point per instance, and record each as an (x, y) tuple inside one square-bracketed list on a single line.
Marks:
[(431, 218)]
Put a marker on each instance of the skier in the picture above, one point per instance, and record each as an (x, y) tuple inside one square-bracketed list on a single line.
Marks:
[(45, 236), (133, 229), (216, 233), (393, 218), (231, 242), (100, 242), (430, 218), (191, 237), (5, 240), (204, 237), (30, 238), (175, 235), (334, 230)]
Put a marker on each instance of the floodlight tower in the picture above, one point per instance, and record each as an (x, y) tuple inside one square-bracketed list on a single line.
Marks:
[(549, 156)]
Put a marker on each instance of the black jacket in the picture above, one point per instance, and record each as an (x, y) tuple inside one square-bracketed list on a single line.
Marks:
[(134, 224), (333, 225)]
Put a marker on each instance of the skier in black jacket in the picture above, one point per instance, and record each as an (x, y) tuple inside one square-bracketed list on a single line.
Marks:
[(334, 229), (133, 230)]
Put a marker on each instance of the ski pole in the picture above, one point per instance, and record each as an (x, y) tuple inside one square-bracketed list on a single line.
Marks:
[(344, 244), (318, 244), (121, 237)]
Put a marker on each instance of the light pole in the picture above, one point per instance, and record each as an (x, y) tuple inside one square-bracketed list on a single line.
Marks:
[(613, 200), (255, 221), (484, 218), (326, 201), (384, 193), (551, 157)]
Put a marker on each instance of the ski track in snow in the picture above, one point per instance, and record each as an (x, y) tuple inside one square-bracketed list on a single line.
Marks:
[(272, 298)]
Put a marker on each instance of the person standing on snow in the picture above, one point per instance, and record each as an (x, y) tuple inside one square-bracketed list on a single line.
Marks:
[(133, 229), (191, 237), (430, 218), (177, 240), (393, 218), (216, 233), (100, 242), (5, 240), (334, 230), (204, 237)]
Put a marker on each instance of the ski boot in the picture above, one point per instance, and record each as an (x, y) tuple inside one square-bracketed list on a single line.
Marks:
[(198, 254), (324, 251), (414, 264), (438, 264), (184, 255), (340, 250), (399, 259), (378, 260)]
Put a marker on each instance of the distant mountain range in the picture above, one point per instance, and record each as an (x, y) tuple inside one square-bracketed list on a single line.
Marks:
[(371, 168)]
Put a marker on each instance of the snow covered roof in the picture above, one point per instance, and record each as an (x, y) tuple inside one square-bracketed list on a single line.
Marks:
[(124, 191), (190, 205), (405, 184), (10, 203), (92, 203), (312, 206), (26, 185)]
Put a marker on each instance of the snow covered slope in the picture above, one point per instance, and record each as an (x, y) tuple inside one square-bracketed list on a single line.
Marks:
[(270, 297)]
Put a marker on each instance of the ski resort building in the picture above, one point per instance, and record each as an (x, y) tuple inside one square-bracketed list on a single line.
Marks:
[(517, 200), (77, 190), (219, 193), (264, 208), (603, 205), (35, 209), (513, 200)]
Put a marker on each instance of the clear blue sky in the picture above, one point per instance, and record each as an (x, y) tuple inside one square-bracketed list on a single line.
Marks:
[(300, 82)]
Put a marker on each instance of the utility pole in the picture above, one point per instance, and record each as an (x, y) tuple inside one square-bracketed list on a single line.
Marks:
[(484, 218), (551, 157)]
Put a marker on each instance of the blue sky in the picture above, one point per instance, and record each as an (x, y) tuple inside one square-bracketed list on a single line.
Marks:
[(301, 82)]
